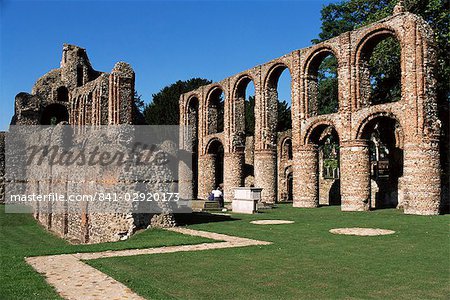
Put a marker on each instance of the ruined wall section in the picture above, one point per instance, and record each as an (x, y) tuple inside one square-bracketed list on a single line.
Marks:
[(415, 115), (86, 96)]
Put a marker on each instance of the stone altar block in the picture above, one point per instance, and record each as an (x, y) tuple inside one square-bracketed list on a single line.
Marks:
[(246, 199)]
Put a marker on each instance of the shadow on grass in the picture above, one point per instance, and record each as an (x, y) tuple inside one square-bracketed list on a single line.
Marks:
[(201, 218)]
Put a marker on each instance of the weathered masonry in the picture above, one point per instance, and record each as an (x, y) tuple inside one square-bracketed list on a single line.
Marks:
[(404, 172), (76, 94)]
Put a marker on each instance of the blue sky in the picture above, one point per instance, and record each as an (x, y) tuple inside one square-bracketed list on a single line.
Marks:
[(163, 41)]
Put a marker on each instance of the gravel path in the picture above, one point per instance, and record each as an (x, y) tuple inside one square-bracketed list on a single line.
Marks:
[(75, 280)]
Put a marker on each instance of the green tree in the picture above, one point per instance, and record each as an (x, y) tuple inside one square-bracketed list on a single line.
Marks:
[(164, 107), (284, 121), (327, 93), (250, 116), (138, 102), (338, 18)]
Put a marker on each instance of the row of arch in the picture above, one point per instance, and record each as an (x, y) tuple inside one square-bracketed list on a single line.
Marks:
[(385, 138), (316, 101)]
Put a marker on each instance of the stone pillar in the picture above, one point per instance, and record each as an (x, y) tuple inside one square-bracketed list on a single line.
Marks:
[(421, 180), (355, 175), (121, 94), (233, 173), (206, 175), (185, 180), (265, 164), (306, 176)]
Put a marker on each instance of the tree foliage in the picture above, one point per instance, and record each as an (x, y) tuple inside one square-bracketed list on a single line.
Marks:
[(327, 93), (164, 107), (284, 121), (250, 116), (347, 15)]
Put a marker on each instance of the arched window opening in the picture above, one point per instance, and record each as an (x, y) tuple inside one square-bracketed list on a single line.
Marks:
[(216, 111), (329, 154), (216, 149), (284, 102), (386, 161), (62, 94), (278, 96), (192, 117), (244, 112), (327, 140), (323, 85), (54, 114), (287, 149), (380, 71)]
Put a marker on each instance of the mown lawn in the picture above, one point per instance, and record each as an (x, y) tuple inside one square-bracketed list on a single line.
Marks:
[(21, 236), (305, 261)]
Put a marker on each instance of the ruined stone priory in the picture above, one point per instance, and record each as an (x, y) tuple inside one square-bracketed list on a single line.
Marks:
[(388, 153), (76, 94)]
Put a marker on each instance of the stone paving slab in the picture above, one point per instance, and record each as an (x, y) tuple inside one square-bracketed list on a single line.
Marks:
[(75, 280)]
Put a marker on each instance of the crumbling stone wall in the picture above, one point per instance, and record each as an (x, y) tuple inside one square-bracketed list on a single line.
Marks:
[(415, 116), (78, 94)]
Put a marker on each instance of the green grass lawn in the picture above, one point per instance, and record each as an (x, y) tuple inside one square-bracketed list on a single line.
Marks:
[(305, 261), (21, 236)]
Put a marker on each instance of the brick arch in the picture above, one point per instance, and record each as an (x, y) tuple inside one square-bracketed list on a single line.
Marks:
[(318, 55), (241, 83), (365, 45), (190, 98), (400, 136), (207, 113), (310, 68), (315, 126), (211, 90), (282, 147), (272, 71), (210, 142), (374, 36)]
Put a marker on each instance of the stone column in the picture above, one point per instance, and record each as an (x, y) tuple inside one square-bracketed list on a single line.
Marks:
[(355, 175), (185, 180), (206, 175), (306, 176), (421, 180), (233, 173), (265, 164)]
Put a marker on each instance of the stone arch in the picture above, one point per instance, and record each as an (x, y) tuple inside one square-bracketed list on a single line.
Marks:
[(318, 126), (238, 115), (269, 120), (363, 53), (193, 100), (325, 141), (214, 105), (54, 114), (400, 137), (211, 144), (314, 104), (62, 94), (214, 150), (285, 148), (192, 121), (384, 133)]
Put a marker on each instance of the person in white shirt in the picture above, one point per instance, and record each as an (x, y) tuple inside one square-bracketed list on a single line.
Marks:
[(218, 196)]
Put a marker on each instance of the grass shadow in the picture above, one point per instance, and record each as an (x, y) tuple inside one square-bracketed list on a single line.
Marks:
[(201, 218)]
